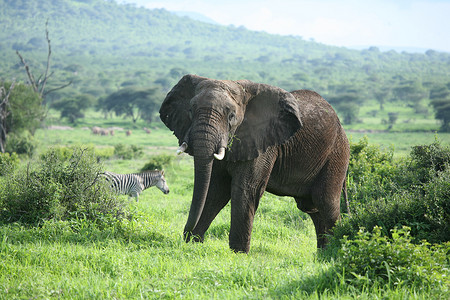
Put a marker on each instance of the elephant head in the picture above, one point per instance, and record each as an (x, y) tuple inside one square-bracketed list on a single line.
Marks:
[(230, 120)]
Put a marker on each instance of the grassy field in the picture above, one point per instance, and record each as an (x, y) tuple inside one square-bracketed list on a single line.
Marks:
[(145, 257)]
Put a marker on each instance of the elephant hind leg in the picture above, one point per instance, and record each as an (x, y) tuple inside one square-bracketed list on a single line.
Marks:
[(325, 201), (322, 223), (323, 228)]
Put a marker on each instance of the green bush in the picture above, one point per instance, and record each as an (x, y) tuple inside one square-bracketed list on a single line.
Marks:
[(127, 152), (59, 188), (65, 152), (436, 195), (158, 162), (22, 143), (372, 258), (61, 153), (370, 173), (8, 162), (389, 192), (104, 153), (427, 160)]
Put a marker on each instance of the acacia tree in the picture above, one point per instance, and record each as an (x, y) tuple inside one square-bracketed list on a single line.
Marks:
[(411, 92), (132, 102), (348, 105), (381, 96), (440, 100), (73, 108)]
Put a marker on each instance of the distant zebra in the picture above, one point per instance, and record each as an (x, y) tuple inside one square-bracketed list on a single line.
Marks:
[(133, 184)]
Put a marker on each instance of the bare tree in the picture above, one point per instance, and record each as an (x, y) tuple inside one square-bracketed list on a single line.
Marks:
[(40, 84), (4, 113)]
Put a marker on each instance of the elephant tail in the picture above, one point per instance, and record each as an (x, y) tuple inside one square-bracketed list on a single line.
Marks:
[(344, 192)]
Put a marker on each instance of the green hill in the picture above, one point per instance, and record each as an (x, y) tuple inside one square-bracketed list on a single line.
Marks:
[(102, 46)]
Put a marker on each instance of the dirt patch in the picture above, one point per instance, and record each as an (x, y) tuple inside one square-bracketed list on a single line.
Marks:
[(54, 127)]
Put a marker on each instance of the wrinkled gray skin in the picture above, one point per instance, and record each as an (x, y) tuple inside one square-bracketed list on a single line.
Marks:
[(290, 144)]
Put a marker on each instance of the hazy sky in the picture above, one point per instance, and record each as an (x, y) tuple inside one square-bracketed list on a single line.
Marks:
[(397, 23)]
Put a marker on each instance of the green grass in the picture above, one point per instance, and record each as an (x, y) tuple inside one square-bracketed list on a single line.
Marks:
[(145, 257)]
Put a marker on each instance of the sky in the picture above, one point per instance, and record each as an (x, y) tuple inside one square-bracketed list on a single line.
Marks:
[(422, 24)]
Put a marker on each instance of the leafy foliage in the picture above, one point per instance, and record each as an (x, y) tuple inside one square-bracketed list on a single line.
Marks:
[(347, 102), (127, 152), (21, 117), (158, 162), (72, 108), (8, 162), (61, 189), (26, 109), (440, 100), (132, 102), (374, 259), (21, 143), (389, 193)]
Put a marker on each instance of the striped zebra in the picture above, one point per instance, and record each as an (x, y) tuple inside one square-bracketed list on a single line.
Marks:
[(133, 184)]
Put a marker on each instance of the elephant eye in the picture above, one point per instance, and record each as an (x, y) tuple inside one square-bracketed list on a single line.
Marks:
[(232, 118)]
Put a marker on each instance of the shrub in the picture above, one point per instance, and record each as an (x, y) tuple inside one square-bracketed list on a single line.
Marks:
[(158, 162), (372, 258), (385, 192), (427, 160), (61, 153), (104, 153), (65, 152), (22, 143), (437, 207), (8, 162), (127, 152), (370, 172), (59, 188)]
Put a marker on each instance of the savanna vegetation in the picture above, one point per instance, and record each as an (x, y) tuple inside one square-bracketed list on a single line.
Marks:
[(63, 234)]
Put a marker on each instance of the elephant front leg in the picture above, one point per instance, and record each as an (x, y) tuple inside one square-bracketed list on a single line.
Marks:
[(242, 215), (247, 187), (244, 203)]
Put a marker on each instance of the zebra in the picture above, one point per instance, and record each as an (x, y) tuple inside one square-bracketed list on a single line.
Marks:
[(133, 184)]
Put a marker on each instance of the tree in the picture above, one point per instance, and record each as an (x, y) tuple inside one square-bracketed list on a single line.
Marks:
[(348, 105), (381, 95), (73, 108), (4, 113), (132, 102), (411, 92), (393, 116), (21, 112), (440, 100)]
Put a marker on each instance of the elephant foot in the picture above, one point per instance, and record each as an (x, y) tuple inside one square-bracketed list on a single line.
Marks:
[(240, 248), (190, 237), (322, 241)]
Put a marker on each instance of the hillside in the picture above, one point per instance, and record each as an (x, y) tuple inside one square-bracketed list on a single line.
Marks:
[(103, 46)]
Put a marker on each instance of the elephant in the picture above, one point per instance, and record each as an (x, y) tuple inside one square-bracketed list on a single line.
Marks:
[(247, 138)]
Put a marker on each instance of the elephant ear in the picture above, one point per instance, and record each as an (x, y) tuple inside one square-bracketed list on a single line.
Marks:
[(174, 111), (271, 117)]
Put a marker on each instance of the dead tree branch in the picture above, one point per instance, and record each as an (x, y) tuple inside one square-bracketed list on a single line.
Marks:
[(40, 85), (41, 92)]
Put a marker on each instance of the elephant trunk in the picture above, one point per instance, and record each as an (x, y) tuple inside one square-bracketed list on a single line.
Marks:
[(202, 179), (204, 144)]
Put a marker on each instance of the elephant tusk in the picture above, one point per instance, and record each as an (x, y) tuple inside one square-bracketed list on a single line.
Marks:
[(221, 154), (182, 148)]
